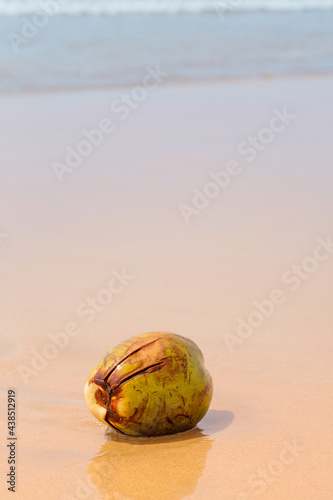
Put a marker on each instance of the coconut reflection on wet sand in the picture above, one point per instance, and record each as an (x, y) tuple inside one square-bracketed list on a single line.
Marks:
[(165, 467)]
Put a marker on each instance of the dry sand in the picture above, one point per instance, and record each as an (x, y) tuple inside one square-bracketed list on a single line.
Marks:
[(268, 433)]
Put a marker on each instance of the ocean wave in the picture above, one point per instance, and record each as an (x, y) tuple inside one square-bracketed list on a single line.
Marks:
[(118, 7)]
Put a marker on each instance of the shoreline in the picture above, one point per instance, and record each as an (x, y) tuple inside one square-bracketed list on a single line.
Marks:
[(173, 84)]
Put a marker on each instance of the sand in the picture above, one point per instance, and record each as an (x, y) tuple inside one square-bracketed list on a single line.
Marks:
[(116, 218)]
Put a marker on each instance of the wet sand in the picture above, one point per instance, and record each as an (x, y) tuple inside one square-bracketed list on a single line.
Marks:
[(268, 432)]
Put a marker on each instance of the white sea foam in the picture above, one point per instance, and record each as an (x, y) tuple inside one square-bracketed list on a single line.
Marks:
[(116, 7)]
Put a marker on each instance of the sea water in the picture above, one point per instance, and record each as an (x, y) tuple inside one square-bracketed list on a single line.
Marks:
[(68, 44)]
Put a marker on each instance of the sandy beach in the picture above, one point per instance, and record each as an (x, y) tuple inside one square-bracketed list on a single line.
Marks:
[(209, 206)]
